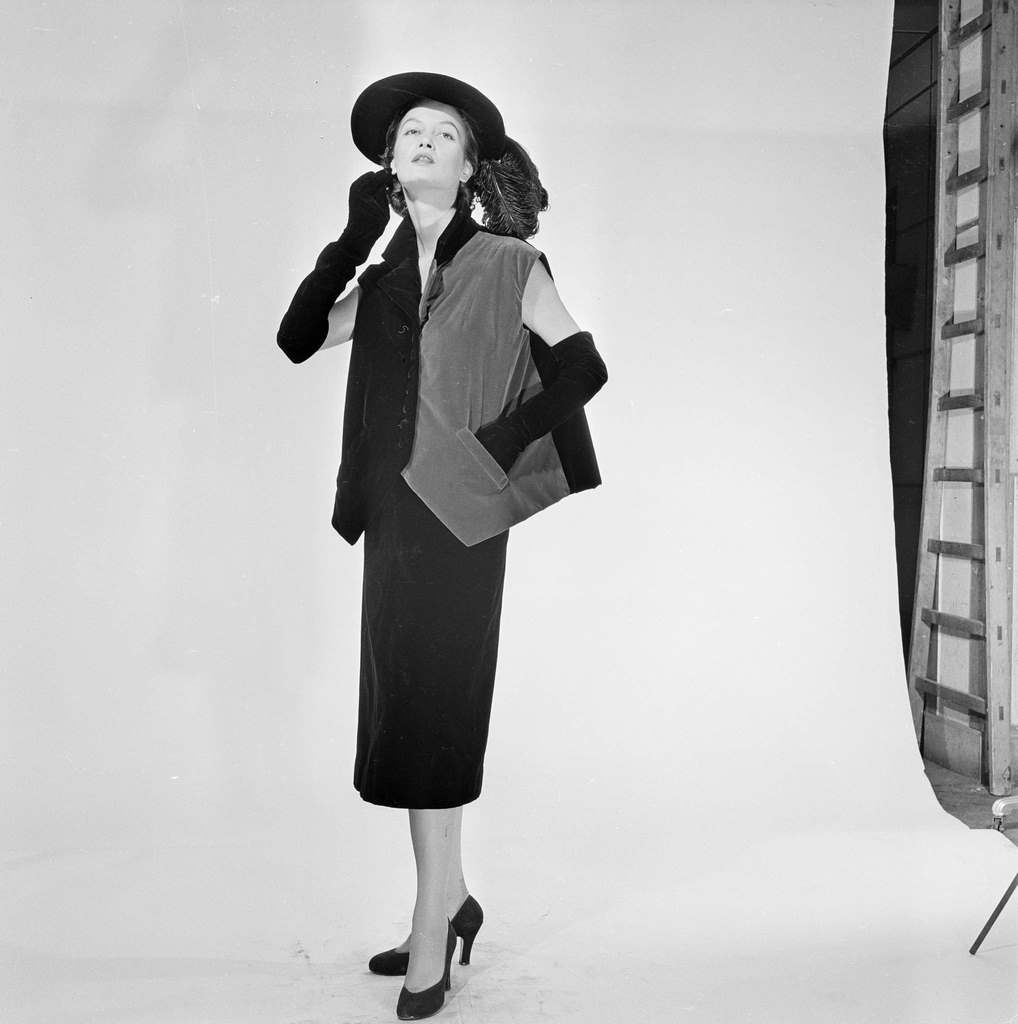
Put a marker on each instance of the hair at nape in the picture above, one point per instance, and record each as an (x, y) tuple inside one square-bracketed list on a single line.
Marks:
[(508, 190)]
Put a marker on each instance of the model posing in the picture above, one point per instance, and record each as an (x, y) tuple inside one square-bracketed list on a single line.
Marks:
[(463, 416)]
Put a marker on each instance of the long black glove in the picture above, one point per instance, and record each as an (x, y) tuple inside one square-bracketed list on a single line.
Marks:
[(581, 375), (305, 324)]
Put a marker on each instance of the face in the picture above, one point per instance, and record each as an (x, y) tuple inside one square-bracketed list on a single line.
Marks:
[(428, 154)]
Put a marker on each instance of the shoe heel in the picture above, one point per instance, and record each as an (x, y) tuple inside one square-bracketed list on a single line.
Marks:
[(468, 944), (467, 921)]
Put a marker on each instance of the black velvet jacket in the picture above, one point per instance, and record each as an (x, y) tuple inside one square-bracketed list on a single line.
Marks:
[(382, 382)]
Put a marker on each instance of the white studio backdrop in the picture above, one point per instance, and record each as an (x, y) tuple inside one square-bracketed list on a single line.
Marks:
[(702, 650)]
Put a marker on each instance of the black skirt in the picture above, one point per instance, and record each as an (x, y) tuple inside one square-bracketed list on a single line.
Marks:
[(430, 612)]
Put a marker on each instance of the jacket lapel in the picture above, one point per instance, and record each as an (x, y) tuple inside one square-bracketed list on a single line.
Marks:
[(398, 279), (402, 284)]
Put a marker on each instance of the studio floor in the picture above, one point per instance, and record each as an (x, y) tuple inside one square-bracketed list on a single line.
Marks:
[(819, 924)]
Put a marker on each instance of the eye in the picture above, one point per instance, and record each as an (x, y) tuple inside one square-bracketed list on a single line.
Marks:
[(449, 135), (410, 131)]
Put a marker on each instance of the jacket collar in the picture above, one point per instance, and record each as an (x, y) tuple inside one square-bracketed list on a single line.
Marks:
[(401, 281), (456, 234)]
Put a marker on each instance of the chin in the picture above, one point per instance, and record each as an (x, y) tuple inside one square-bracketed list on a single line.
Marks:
[(428, 186)]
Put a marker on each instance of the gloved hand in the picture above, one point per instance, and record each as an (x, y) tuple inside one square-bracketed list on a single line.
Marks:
[(502, 443), (305, 324), (581, 375), (369, 213)]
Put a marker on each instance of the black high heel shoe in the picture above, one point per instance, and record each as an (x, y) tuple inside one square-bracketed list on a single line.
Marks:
[(466, 923), (415, 1005)]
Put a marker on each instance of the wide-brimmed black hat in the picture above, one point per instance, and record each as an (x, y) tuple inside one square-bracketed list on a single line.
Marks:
[(380, 102)]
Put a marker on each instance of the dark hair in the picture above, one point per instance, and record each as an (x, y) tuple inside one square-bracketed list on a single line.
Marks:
[(509, 189)]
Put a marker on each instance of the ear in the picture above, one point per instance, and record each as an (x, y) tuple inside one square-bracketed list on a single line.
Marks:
[(469, 170)]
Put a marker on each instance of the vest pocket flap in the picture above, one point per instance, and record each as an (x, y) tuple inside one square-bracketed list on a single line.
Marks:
[(483, 457)]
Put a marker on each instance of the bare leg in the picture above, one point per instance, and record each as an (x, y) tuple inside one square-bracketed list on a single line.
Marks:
[(431, 831), (455, 887)]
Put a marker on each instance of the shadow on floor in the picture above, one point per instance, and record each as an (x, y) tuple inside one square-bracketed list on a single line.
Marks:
[(967, 800)]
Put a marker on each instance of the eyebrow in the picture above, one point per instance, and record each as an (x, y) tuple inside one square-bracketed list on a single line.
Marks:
[(419, 121)]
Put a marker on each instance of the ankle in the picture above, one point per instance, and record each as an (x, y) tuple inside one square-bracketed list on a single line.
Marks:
[(456, 893), (433, 921)]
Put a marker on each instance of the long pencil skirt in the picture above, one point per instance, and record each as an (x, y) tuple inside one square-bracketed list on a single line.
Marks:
[(430, 614)]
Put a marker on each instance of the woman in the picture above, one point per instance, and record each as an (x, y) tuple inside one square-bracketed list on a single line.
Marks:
[(464, 415)]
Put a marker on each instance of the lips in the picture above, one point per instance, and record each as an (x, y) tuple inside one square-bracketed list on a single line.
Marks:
[(422, 157)]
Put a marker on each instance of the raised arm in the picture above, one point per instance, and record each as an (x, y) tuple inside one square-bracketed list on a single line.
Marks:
[(581, 374), (314, 314)]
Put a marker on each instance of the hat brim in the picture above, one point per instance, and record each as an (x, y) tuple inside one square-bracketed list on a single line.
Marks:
[(385, 99)]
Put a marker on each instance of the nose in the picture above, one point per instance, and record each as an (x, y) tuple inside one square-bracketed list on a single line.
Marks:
[(425, 142)]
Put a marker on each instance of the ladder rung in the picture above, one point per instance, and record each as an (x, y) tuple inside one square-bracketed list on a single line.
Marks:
[(968, 225), (970, 29), (957, 182), (973, 401), (958, 110), (957, 549), (958, 475), (967, 252), (955, 623), (969, 701), (958, 330)]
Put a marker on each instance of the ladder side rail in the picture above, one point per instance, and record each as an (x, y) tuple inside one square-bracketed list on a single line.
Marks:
[(998, 193), (940, 363)]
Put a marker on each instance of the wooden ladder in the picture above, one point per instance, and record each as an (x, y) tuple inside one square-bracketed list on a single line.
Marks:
[(960, 667)]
